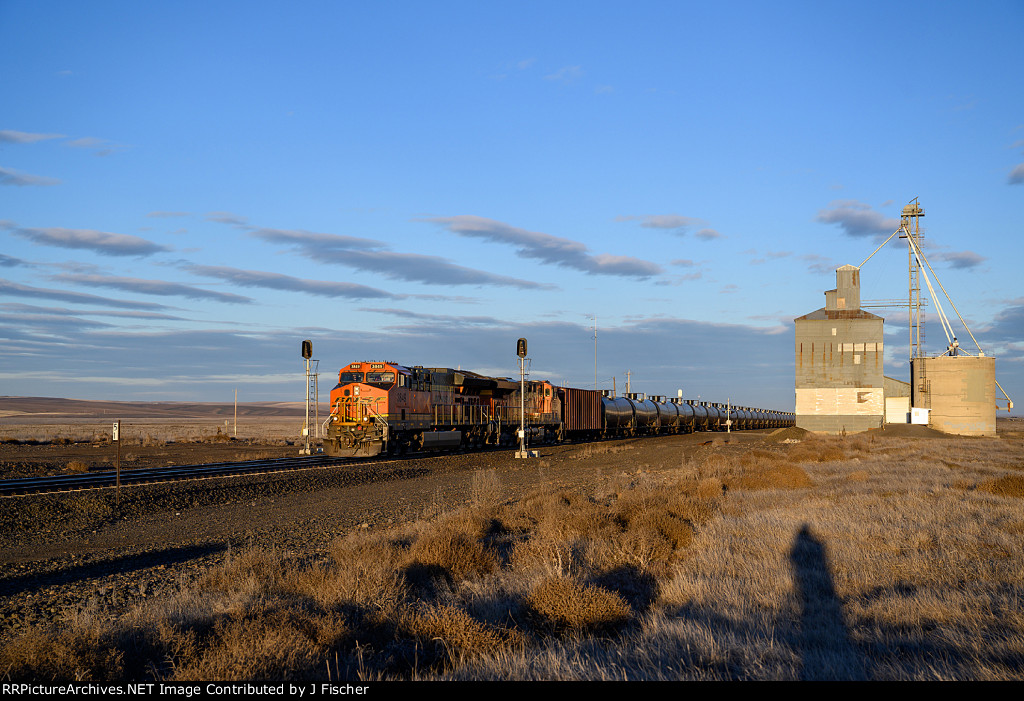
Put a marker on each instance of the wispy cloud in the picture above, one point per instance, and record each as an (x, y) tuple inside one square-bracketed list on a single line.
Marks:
[(44, 323), (17, 290), (433, 319), (963, 260), (10, 261), (549, 249), (229, 219), (277, 281), (152, 287), (373, 256), (819, 264), (565, 75), (64, 311), (100, 147), (1016, 175), (676, 222), (1008, 324), (9, 176), (769, 255), (510, 67), (9, 136), (858, 219), (167, 215), (313, 242), (100, 242)]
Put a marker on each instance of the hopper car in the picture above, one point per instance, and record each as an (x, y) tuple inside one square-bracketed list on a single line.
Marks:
[(388, 408)]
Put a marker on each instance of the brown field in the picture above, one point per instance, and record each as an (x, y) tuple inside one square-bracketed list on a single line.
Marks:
[(872, 556), (41, 435), (48, 419)]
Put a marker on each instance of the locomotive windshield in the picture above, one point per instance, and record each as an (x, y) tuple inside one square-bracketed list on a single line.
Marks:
[(348, 377), (384, 380)]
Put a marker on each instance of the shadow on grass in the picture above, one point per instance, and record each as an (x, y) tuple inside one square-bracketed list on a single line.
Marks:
[(823, 640), (10, 586)]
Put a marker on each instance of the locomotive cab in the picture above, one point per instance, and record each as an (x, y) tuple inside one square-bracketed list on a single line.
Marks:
[(368, 405)]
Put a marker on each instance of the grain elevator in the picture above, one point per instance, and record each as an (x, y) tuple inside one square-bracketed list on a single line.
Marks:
[(839, 362), (840, 384)]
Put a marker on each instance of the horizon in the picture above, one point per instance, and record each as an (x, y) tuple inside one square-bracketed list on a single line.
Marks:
[(189, 191)]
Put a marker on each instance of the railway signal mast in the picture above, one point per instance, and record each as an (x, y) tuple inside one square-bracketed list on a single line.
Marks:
[(312, 394), (521, 352)]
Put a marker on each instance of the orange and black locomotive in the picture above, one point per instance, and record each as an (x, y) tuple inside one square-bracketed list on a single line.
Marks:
[(384, 407)]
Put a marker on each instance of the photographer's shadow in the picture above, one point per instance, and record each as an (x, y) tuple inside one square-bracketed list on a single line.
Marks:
[(823, 640)]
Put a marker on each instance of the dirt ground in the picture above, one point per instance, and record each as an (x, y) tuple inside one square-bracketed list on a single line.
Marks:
[(34, 457), (58, 551)]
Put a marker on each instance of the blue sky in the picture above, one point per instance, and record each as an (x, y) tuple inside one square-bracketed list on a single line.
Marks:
[(188, 190)]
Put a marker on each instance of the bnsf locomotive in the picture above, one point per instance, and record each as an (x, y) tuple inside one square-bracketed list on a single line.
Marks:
[(384, 407)]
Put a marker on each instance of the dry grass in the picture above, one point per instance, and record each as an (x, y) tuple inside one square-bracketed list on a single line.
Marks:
[(1007, 486), (565, 606), (833, 558)]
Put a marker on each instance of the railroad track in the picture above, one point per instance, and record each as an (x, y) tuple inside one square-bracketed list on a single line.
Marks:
[(174, 473), (105, 479)]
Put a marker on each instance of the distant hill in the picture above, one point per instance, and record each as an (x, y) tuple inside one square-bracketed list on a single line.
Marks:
[(54, 407)]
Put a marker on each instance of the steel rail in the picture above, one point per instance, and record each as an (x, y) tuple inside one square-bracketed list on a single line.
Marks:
[(108, 478)]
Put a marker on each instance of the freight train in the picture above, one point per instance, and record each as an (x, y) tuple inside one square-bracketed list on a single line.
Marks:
[(387, 408)]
